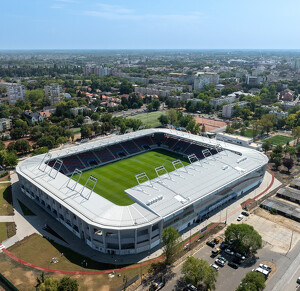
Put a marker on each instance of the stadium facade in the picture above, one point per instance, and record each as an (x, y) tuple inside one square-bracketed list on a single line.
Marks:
[(217, 174)]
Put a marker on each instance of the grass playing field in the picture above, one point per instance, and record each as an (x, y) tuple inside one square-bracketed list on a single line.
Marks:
[(149, 119), (280, 139), (118, 176)]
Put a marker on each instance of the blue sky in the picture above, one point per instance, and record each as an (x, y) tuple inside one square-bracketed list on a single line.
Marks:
[(150, 24)]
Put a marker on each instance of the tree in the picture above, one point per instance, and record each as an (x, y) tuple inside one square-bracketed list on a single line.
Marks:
[(296, 133), (85, 131), (277, 162), (126, 87), (163, 119), (198, 271), (17, 133), (170, 238), (253, 281), (172, 116), (155, 104), (67, 284), (267, 121), (22, 146), (267, 145), (288, 163), (245, 238)]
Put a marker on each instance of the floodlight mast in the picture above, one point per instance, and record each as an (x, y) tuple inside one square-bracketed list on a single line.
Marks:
[(57, 166), (86, 186), (46, 157), (194, 161), (76, 172), (161, 170)]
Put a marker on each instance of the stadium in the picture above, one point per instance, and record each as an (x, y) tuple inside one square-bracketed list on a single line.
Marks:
[(119, 193)]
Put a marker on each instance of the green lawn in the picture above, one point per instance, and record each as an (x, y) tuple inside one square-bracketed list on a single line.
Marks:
[(279, 139), (118, 176), (7, 230), (248, 133), (149, 119), (76, 130), (6, 207)]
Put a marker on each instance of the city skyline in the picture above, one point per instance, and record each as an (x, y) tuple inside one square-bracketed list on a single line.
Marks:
[(77, 24)]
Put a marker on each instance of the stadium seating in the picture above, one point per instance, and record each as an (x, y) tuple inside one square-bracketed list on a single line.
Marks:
[(104, 155), (88, 158), (72, 162), (117, 150), (131, 147)]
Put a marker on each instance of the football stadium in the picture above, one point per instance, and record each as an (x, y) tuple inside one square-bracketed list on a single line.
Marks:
[(120, 192)]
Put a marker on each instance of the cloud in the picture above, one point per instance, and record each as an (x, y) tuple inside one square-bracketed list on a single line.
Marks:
[(116, 12), (57, 6)]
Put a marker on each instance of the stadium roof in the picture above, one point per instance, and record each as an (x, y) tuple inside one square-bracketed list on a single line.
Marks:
[(155, 199)]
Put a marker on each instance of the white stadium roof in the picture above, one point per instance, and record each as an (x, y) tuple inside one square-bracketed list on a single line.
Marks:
[(155, 199)]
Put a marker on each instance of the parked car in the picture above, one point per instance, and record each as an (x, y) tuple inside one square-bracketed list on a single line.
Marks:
[(240, 217), (191, 287), (187, 246), (223, 246), (298, 280), (215, 251), (265, 267), (214, 266), (157, 286), (211, 243), (238, 255), (222, 259), (220, 262), (229, 252), (237, 260), (233, 265), (216, 240), (245, 213)]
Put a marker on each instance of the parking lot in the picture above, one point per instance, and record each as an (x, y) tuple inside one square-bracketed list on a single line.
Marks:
[(280, 248)]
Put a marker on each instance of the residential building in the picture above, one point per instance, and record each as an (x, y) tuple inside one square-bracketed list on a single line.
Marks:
[(54, 93), (5, 124), (205, 78), (254, 80), (228, 110), (239, 140), (220, 87), (286, 95), (279, 113), (223, 99), (14, 92), (33, 116), (77, 110)]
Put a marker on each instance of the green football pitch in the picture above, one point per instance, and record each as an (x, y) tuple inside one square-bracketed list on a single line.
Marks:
[(115, 177)]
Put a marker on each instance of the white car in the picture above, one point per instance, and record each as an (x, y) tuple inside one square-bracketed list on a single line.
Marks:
[(240, 217), (298, 280), (214, 266)]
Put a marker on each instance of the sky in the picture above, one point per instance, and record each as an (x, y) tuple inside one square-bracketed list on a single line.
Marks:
[(150, 24)]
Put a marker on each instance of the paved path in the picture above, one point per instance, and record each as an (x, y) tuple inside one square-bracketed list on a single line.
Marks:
[(24, 227), (7, 218)]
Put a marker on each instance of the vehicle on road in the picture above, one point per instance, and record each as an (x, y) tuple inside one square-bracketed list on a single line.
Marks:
[(187, 246), (298, 280), (229, 252), (222, 259), (220, 262), (191, 287), (211, 243), (238, 255), (233, 265), (245, 213), (214, 266), (240, 217)]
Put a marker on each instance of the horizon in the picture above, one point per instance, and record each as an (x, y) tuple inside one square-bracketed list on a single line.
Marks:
[(159, 25)]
